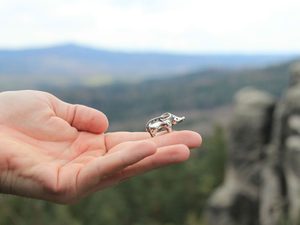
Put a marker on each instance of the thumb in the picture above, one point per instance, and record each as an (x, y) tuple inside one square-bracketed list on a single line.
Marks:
[(81, 117)]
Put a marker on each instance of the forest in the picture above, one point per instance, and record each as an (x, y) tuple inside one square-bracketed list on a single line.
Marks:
[(175, 195)]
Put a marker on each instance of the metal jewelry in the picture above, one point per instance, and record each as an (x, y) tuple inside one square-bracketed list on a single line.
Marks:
[(162, 123)]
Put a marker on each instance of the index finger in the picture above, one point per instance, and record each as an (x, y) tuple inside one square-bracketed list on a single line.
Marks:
[(186, 137)]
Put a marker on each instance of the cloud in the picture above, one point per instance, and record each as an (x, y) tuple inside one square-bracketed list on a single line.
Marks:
[(170, 25)]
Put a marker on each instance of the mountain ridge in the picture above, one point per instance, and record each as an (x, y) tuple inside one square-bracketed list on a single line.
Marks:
[(80, 62)]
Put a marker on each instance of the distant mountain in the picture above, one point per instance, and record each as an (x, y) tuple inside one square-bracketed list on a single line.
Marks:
[(72, 63)]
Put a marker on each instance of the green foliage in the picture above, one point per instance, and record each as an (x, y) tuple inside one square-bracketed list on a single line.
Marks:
[(16, 210), (202, 90), (285, 220), (175, 195)]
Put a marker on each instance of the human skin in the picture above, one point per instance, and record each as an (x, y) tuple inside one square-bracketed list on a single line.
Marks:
[(59, 152)]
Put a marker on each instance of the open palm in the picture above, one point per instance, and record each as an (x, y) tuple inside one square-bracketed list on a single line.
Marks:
[(59, 152)]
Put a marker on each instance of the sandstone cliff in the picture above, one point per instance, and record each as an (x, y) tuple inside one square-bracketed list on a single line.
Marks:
[(262, 184)]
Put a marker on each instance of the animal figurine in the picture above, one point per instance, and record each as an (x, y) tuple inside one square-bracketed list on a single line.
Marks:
[(163, 122)]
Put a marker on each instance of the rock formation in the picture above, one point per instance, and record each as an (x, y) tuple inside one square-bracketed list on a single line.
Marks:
[(262, 182)]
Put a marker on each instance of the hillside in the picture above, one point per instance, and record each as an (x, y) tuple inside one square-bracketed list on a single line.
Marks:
[(204, 97), (73, 64), (203, 94), (205, 89)]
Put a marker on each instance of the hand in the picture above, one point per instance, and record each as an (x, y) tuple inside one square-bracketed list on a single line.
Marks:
[(58, 152)]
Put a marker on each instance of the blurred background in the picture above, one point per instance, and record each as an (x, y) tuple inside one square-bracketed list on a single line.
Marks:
[(136, 59)]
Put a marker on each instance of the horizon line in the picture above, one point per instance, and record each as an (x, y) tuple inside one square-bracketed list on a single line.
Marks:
[(149, 51)]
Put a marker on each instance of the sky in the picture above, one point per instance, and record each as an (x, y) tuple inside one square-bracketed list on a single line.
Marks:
[(186, 26)]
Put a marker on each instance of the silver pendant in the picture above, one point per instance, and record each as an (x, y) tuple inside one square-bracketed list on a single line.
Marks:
[(162, 123)]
